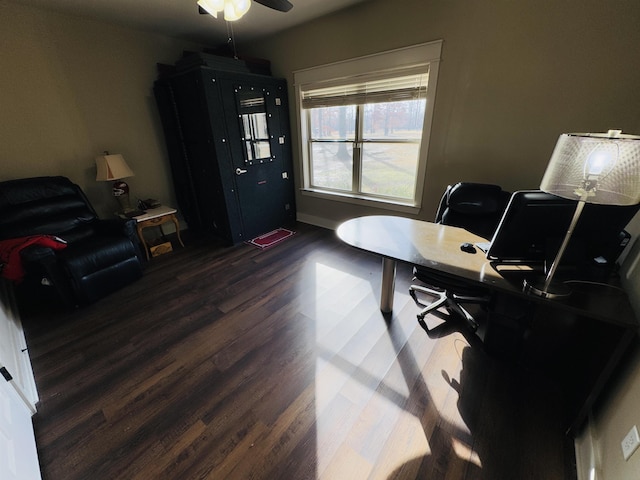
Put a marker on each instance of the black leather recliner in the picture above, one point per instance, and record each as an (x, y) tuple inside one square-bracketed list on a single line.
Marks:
[(478, 208), (101, 256)]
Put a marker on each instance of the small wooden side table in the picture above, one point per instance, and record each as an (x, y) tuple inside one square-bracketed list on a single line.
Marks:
[(155, 217)]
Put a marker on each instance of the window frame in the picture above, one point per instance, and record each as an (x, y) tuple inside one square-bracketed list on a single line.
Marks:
[(396, 62)]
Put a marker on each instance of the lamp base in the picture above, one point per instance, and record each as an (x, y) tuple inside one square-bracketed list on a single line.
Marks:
[(120, 190), (125, 203), (553, 290)]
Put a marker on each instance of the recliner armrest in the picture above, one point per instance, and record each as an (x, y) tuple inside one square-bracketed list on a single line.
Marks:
[(116, 226), (37, 253), (42, 263), (122, 226)]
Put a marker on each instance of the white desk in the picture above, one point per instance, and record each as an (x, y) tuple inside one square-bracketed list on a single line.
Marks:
[(420, 243)]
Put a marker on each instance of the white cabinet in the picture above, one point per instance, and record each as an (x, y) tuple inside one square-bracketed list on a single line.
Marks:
[(14, 355), (18, 454), (18, 396)]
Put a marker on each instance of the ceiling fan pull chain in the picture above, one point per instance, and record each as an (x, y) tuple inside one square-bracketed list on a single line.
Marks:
[(231, 40)]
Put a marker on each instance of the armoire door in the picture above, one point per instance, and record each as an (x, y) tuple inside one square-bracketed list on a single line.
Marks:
[(260, 154)]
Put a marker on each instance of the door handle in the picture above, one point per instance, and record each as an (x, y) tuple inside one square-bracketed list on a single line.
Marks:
[(240, 171)]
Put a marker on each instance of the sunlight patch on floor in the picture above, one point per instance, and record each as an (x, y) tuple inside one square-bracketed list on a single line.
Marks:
[(465, 452), (337, 293)]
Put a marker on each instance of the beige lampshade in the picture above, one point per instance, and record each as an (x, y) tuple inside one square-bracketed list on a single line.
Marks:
[(595, 168), (112, 167)]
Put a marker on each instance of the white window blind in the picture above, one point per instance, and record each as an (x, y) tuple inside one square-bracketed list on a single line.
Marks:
[(396, 89)]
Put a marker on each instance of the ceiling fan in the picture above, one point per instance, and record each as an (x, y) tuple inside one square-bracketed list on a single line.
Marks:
[(234, 9), (280, 5)]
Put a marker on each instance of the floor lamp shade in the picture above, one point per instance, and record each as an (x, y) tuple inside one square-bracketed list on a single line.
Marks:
[(602, 168), (599, 168)]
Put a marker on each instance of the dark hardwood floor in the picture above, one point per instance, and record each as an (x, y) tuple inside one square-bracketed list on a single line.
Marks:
[(237, 363)]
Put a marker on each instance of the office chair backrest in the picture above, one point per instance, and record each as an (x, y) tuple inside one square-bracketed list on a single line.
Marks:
[(476, 207)]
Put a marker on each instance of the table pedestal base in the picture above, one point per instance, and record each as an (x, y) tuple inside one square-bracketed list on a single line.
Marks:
[(388, 284)]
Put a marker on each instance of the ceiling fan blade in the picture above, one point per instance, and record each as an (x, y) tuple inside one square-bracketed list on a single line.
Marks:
[(280, 5)]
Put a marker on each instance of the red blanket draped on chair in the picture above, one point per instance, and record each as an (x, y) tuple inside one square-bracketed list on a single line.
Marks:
[(10, 261)]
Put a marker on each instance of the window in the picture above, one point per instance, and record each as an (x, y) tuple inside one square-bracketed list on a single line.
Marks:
[(253, 117), (364, 126)]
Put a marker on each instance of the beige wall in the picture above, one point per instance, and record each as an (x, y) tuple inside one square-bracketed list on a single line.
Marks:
[(513, 76), (72, 88)]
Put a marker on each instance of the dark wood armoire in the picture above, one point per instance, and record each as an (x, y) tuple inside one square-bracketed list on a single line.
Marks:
[(226, 125)]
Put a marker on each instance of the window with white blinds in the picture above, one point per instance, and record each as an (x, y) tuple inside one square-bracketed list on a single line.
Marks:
[(364, 126), (394, 89)]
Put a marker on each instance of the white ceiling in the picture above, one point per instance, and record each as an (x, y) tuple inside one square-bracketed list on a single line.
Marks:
[(180, 18)]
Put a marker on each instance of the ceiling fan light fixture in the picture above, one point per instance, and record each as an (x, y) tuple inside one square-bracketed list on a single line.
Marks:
[(233, 9), (212, 7)]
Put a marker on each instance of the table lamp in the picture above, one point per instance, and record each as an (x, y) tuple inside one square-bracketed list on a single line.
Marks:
[(602, 168), (114, 168)]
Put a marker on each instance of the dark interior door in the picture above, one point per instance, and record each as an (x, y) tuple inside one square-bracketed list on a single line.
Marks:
[(260, 157)]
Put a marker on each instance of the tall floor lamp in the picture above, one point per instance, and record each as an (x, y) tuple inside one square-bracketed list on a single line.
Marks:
[(602, 168)]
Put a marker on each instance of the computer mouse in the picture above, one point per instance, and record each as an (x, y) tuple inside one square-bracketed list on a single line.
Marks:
[(468, 247)]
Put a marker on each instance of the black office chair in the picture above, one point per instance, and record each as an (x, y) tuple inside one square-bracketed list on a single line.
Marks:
[(476, 207)]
